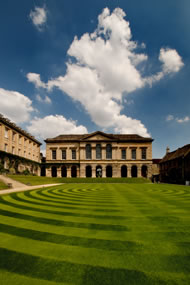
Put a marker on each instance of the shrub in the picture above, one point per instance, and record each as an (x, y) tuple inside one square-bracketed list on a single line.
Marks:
[(26, 172)]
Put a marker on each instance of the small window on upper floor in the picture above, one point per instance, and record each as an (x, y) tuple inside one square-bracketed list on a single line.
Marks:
[(20, 138), (64, 154), (143, 153), (14, 137), (53, 153), (123, 154), (98, 151), (73, 153), (108, 151), (88, 151), (6, 147), (133, 153), (6, 132)]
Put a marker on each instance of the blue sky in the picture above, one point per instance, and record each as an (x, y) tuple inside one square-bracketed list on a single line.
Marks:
[(81, 66)]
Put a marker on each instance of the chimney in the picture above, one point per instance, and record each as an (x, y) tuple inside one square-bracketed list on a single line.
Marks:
[(167, 150)]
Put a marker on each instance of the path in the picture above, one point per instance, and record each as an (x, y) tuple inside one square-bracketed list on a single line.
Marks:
[(18, 187)]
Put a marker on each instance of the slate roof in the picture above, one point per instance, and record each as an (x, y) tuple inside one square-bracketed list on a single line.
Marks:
[(13, 126), (180, 152), (112, 137)]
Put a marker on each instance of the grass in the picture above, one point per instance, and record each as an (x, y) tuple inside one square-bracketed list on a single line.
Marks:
[(96, 234), (39, 180), (3, 185)]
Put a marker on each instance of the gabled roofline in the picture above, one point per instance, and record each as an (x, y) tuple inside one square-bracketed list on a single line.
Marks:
[(97, 133)]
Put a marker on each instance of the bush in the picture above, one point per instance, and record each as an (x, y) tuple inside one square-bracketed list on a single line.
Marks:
[(12, 170), (2, 170), (26, 172)]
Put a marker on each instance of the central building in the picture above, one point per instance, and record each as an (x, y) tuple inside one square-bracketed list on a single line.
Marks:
[(99, 155)]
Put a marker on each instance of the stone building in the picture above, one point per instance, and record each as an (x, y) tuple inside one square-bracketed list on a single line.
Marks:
[(99, 155), (175, 165), (156, 169), (18, 149)]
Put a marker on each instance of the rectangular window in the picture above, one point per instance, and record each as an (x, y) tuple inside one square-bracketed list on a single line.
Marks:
[(14, 136), (20, 137), (63, 153), (123, 154), (73, 153), (54, 154), (133, 153), (6, 132), (6, 147), (143, 153), (13, 150)]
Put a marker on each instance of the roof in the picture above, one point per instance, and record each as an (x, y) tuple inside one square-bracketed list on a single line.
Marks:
[(85, 137), (180, 152), (12, 125), (156, 160)]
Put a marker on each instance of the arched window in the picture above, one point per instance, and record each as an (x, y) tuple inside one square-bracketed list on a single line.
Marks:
[(98, 151), (108, 171), (108, 151), (88, 171), (64, 171), (88, 151), (73, 171), (144, 171), (54, 171), (98, 171), (134, 171), (123, 171)]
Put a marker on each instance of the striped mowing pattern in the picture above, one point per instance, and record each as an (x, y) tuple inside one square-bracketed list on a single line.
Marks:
[(99, 234)]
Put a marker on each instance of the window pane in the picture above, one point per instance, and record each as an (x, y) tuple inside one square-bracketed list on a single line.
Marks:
[(108, 151), (73, 153), (54, 154), (143, 153), (98, 151), (133, 153), (123, 153), (88, 151), (64, 154)]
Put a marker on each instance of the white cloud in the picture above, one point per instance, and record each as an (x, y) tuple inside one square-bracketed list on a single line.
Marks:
[(46, 99), (183, 120), (38, 17), (169, 118), (35, 79), (106, 66), (172, 62), (15, 105), (51, 126)]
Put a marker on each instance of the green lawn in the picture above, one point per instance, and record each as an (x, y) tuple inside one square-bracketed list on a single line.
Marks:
[(3, 185), (96, 234), (38, 180)]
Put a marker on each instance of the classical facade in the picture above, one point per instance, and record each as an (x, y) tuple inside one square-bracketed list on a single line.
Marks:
[(175, 165), (18, 149), (99, 155)]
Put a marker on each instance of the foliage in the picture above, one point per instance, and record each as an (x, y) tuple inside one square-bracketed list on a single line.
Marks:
[(26, 172)]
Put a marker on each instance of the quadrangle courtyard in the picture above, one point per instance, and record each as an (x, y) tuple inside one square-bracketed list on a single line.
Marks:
[(103, 234)]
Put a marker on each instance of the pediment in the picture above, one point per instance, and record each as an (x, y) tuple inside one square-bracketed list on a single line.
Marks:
[(97, 136)]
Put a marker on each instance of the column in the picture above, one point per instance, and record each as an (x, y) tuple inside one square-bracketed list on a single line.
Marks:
[(83, 170), (58, 171), (103, 171), (149, 170), (78, 171), (93, 171), (139, 166), (69, 171), (48, 172), (128, 170)]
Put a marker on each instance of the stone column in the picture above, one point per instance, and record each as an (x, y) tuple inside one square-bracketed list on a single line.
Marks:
[(58, 171), (78, 171), (69, 171), (139, 166), (149, 171), (83, 170), (103, 171), (115, 170), (48, 172), (129, 171), (93, 171)]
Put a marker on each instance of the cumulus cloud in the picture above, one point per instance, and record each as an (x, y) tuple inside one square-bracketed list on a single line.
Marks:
[(172, 61), (106, 65), (169, 118), (46, 99), (183, 120), (178, 120), (38, 17), (35, 79), (15, 105), (53, 125)]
